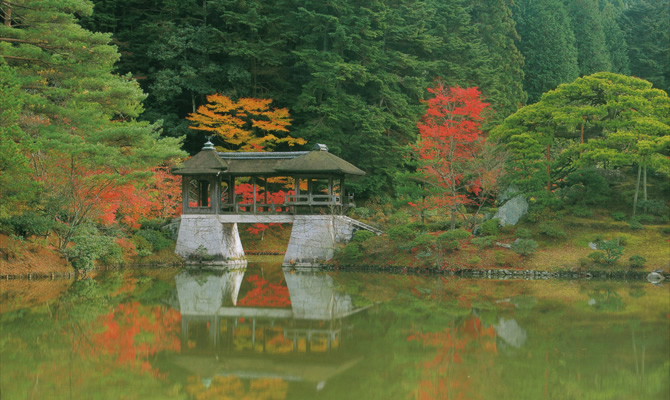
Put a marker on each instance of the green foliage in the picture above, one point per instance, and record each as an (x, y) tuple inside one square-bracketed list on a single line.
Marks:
[(156, 239), (456, 234), (523, 233), (475, 260), (551, 229), (30, 224), (653, 207), (619, 216), (524, 247), (586, 187), (582, 212), (490, 227), (350, 253), (636, 261), (635, 225), (484, 242), (401, 233), (423, 242), (550, 59), (90, 247), (201, 255), (361, 236), (609, 252)]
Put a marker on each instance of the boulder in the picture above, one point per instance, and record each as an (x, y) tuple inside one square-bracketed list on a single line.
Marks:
[(511, 212)]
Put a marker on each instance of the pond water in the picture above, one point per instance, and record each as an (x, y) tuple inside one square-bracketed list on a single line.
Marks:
[(263, 332)]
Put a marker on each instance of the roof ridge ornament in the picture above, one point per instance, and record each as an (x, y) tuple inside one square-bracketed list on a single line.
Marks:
[(320, 147), (209, 145)]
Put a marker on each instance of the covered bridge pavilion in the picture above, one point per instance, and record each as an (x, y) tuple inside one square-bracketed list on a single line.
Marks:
[(305, 188)]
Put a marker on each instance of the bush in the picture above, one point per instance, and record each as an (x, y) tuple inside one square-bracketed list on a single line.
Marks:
[(550, 229), (29, 224), (483, 242), (90, 247), (423, 241), (457, 234), (351, 252), (399, 218), (361, 236), (500, 258), (582, 212), (474, 260), (438, 226), (637, 261), (152, 224), (635, 225), (644, 219), (446, 243), (524, 247), (653, 207), (143, 247), (609, 252), (361, 212), (490, 227), (523, 233), (157, 239), (401, 233), (666, 230), (619, 216), (586, 187)]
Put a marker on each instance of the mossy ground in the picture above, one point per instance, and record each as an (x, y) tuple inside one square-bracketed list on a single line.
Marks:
[(567, 253)]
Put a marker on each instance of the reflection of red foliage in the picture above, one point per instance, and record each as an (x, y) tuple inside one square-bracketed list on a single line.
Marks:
[(265, 294), (133, 332), (439, 380)]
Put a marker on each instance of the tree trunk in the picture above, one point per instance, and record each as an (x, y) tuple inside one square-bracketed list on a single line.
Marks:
[(644, 188), (8, 15), (548, 169), (637, 188)]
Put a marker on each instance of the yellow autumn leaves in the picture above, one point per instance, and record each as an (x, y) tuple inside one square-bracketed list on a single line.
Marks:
[(247, 124)]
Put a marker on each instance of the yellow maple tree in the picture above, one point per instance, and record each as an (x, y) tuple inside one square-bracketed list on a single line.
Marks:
[(247, 124)]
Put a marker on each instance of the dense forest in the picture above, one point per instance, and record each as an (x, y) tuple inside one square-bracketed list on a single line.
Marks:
[(353, 73), (97, 97)]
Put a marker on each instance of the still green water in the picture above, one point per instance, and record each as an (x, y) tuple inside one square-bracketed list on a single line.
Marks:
[(264, 332)]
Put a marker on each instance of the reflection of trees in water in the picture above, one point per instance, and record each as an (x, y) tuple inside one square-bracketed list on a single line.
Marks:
[(460, 344), (232, 387), (606, 299)]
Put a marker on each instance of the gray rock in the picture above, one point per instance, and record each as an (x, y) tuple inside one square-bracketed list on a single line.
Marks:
[(511, 212)]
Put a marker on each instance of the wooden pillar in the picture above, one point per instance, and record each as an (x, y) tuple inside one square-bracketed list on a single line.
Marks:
[(253, 188), (342, 198), (185, 182)]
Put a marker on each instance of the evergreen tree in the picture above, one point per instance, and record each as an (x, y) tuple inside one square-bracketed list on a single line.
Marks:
[(548, 45), (647, 27), (615, 39), (73, 119), (502, 75), (592, 52)]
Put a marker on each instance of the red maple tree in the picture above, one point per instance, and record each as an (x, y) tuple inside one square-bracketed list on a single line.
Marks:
[(450, 139)]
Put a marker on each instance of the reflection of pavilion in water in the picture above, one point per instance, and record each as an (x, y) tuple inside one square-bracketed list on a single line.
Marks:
[(301, 343)]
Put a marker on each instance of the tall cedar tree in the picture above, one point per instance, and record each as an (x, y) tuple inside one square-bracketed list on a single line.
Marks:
[(587, 25), (547, 44), (647, 27), (450, 139)]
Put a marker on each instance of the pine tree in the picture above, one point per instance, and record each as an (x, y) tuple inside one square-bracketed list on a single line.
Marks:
[(76, 122)]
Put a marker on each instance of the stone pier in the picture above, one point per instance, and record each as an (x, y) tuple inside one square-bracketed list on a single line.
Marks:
[(216, 237), (207, 239)]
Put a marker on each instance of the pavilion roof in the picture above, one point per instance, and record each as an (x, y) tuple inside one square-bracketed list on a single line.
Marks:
[(318, 161), (206, 162)]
